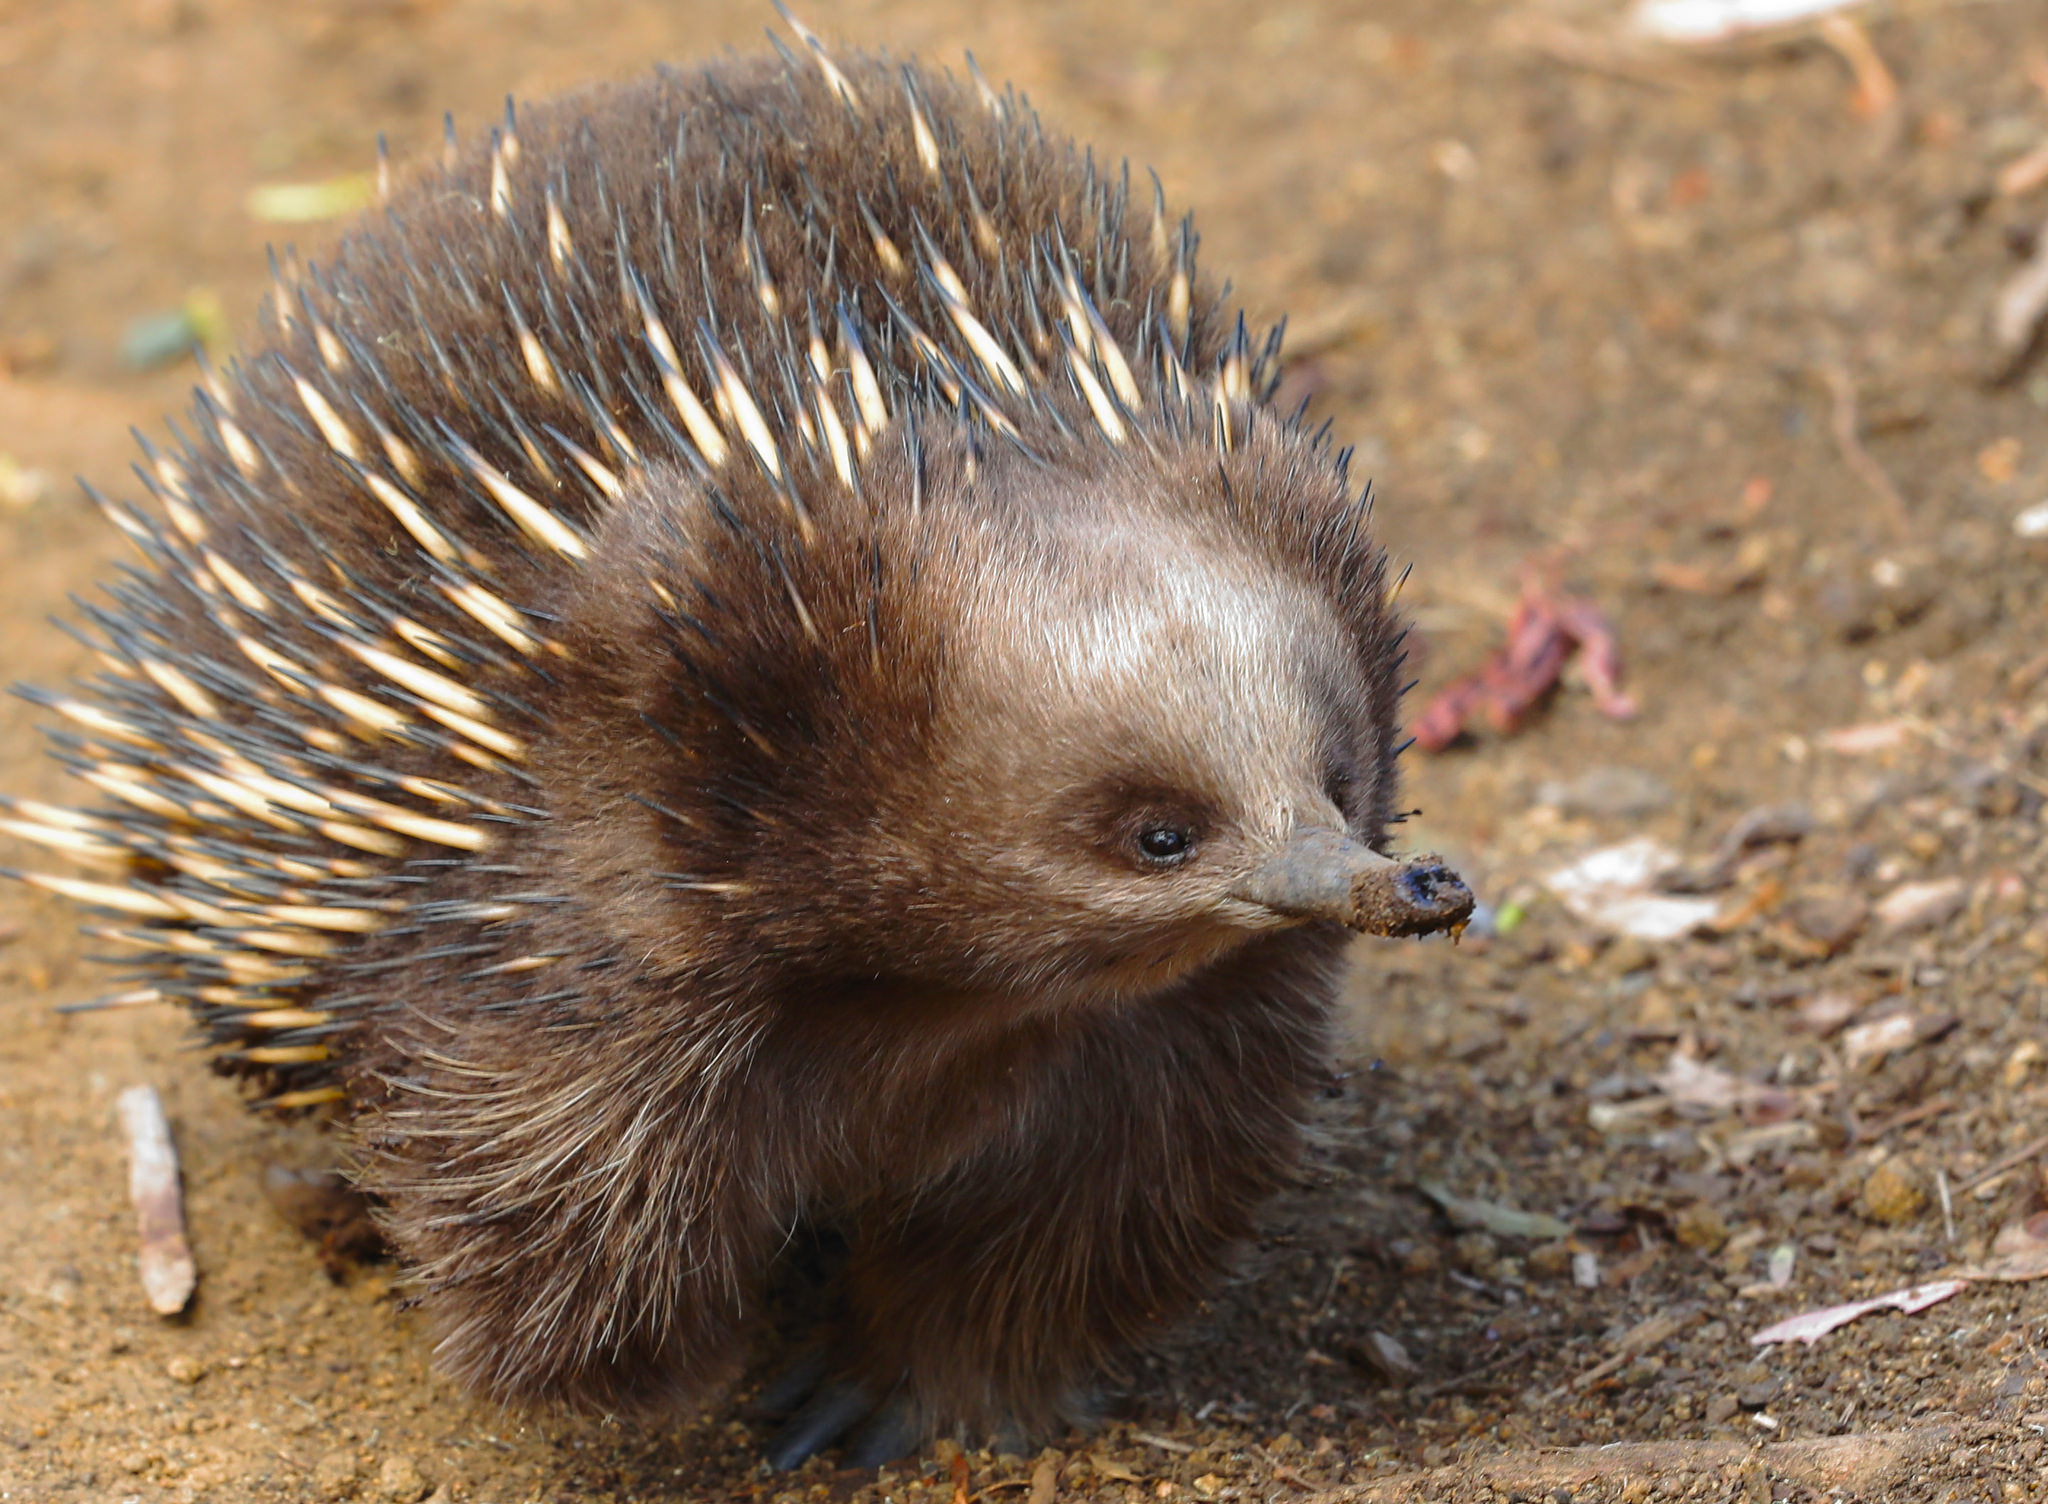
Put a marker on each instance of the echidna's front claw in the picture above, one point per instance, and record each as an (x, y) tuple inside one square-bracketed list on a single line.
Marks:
[(891, 1432), (834, 1408)]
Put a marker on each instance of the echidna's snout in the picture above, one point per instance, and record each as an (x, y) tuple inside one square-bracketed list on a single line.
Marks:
[(1324, 874)]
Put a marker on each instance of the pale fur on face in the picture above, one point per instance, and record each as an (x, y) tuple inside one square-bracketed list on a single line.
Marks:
[(1143, 648)]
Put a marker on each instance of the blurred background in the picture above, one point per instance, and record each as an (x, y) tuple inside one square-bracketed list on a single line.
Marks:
[(1692, 347)]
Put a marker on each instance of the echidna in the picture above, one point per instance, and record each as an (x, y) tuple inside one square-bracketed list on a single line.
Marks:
[(750, 658)]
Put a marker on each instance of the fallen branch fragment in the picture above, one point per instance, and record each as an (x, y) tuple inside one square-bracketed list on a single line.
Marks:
[(1643, 1335), (1811, 1326), (1491, 1216), (1864, 1466), (2018, 1253), (168, 1273), (2032, 1149)]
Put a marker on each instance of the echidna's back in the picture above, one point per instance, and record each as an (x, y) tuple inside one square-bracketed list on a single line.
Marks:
[(329, 689)]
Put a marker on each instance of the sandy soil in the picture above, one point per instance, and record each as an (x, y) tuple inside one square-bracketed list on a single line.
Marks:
[(1589, 313)]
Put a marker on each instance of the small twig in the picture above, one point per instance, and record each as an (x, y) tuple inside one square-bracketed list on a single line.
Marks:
[(1458, 1381), (2023, 174), (1876, 89), (168, 1273), (1948, 1206), (1848, 438), (1639, 1338), (1338, 1266), (1999, 1166), (1905, 1119), (1164, 1443)]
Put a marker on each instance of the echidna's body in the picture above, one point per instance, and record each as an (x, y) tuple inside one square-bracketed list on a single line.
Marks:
[(732, 663)]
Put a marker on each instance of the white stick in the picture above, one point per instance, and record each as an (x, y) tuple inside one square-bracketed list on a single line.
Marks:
[(168, 1273)]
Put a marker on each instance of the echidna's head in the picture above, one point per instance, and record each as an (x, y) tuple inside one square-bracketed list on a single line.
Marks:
[(1057, 731)]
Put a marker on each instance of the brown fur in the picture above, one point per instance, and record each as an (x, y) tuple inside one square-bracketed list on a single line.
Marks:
[(821, 826)]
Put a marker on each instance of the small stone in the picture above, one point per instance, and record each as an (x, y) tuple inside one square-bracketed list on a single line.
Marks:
[(1628, 955), (1721, 1409), (1701, 1227), (22, 485), (1757, 1395), (32, 353), (185, 1369), (1830, 920), (61, 1287), (2020, 1062), (1922, 906), (335, 1474), (1388, 1356), (1825, 1012), (1889, 1195), (1585, 1269), (399, 1480), (1477, 1252), (1616, 793), (1415, 1255)]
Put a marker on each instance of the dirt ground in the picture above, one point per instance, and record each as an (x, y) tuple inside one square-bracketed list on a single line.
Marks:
[(1704, 340)]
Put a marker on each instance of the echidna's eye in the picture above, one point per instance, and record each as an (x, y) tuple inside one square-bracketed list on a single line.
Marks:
[(1165, 844)]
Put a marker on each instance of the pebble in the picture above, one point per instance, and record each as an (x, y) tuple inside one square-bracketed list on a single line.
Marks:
[(2020, 1062), (1721, 1409), (1477, 1253), (185, 1369), (158, 339), (1389, 1356), (1615, 793), (1415, 1256), (23, 485), (335, 1474), (399, 1480), (1585, 1269), (1889, 1195), (1757, 1395), (1826, 1012), (1830, 920), (1922, 905), (1701, 1227)]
